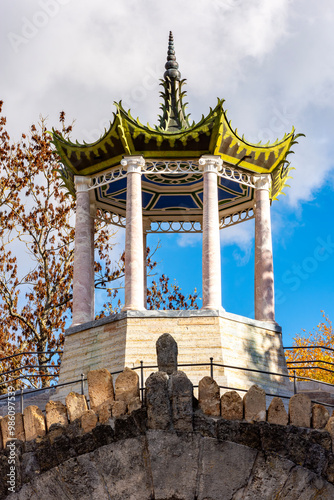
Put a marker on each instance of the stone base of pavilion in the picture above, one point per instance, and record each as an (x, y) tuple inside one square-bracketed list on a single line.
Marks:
[(127, 338)]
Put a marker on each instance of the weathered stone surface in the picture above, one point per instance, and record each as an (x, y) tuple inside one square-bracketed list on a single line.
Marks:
[(118, 408), (56, 413), (330, 428), (127, 386), (300, 410), (167, 353), (157, 401), (225, 469), (88, 420), (231, 406), (129, 426), (209, 396), (305, 485), (34, 422), (329, 471), (245, 433), (76, 405), (11, 427), (167, 453), (87, 485), (169, 465), (316, 458), (277, 413), (180, 391), (55, 432), (135, 404), (100, 387), (320, 416), (268, 477), (30, 467), (320, 437), (104, 411), (19, 427), (124, 469), (255, 404), (205, 425)]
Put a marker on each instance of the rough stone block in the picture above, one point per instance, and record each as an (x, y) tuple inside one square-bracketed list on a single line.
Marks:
[(127, 386), (174, 461), (269, 474), (303, 484), (157, 401), (255, 404), (180, 391), (135, 404), (76, 405), (231, 406), (100, 387), (320, 416), (104, 411), (277, 413), (56, 413), (88, 420), (167, 353), (330, 428), (225, 468), (11, 427), (123, 467), (119, 408), (34, 423), (209, 396), (300, 410)]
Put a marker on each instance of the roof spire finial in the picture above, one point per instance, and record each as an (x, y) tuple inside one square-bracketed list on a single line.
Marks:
[(172, 66), (174, 118)]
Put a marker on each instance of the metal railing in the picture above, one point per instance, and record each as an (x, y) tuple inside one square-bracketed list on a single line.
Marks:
[(211, 365), (28, 367), (303, 361)]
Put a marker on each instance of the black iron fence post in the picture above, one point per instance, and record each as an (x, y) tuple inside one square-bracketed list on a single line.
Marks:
[(211, 368), (294, 382), (142, 381), (21, 400), (82, 384)]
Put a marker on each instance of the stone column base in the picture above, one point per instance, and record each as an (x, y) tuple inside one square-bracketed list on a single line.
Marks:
[(127, 338)]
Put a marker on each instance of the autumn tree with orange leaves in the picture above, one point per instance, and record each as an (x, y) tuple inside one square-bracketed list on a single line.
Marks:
[(36, 258), (314, 349), (36, 251)]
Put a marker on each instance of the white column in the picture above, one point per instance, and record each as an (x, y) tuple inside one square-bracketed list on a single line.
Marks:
[(264, 270), (134, 252), (211, 267), (83, 272)]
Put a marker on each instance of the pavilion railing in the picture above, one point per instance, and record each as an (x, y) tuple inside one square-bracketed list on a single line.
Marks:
[(21, 393)]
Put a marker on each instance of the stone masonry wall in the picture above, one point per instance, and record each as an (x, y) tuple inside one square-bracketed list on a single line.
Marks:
[(170, 446), (129, 338)]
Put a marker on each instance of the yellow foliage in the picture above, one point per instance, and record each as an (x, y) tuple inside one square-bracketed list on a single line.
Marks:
[(314, 350)]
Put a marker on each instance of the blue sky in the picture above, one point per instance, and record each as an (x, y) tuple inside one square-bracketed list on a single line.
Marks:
[(271, 61)]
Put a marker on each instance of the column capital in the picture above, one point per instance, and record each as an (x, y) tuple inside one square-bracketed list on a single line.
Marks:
[(210, 163), (82, 183), (262, 181), (133, 163)]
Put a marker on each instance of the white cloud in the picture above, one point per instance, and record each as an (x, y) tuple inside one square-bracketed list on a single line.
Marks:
[(270, 60)]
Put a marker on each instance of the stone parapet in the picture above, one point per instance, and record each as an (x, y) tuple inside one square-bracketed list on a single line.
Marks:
[(172, 449)]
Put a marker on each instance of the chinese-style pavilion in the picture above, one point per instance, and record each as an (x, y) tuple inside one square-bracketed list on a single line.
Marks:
[(175, 177)]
